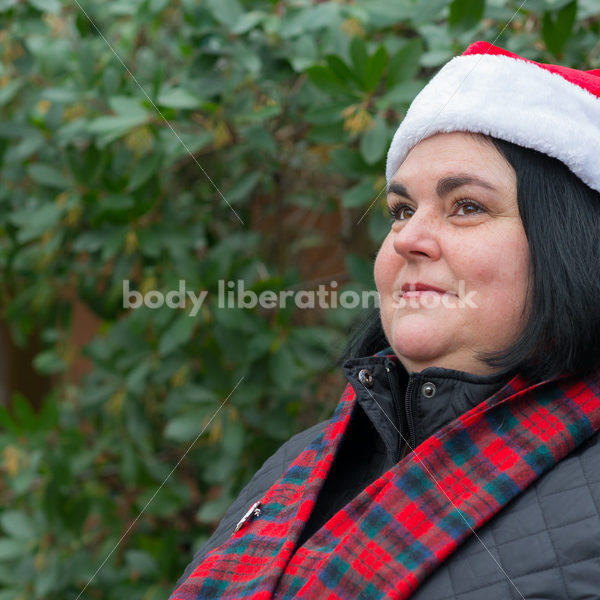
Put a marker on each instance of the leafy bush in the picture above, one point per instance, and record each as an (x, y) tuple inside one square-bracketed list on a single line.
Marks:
[(200, 142)]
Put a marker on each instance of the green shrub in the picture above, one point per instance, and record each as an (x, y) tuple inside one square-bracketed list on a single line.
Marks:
[(164, 141)]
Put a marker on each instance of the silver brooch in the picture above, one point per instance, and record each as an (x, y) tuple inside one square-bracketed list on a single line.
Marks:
[(253, 511)]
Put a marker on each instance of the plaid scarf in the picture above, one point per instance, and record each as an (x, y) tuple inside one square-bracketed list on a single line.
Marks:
[(390, 537)]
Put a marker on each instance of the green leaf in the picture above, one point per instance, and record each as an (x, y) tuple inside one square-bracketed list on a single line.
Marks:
[(124, 8), (17, 525), (48, 363), (226, 12), (375, 68), (261, 343), (46, 6), (185, 428), (8, 422), (9, 90), (359, 195), (111, 79), (61, 95), (465, 14), (179, 332), (48, 580), (558, 4), (178, 98), (115, 241), (144, 169), (360, 269), (47, 175), (220, 470), (317, 337), (12, 130), (127, 107), (360, 58), (333, 133), (250, 61), (157, 6), (12, 548), (212, 510), (167, 503), (586, 9), (130, 113), (243, 187), (34, 223), (557, 27), (325, 115), (237, 318), (283, 367), (342, 70), (401, 95), (263, 140), (429, 11), (112, 128), (325, 15), (6, 5), (247, 22), (197, 394), (114, 205), (139, 377), (262, 114), (140, 562), (174, 150), (349, 162), (327, 81), (404, 65), (303, 52), (87, 63), (233, 439), (24, 412), (374, 142), (384, 12), (90, 241)]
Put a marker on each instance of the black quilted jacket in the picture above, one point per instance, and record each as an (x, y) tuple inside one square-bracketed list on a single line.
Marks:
[(545, 545)]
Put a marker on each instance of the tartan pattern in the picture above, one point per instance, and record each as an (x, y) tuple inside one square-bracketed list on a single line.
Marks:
[(386, 541)]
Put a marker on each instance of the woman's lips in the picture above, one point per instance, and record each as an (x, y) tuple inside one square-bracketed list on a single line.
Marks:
[(418, 288)]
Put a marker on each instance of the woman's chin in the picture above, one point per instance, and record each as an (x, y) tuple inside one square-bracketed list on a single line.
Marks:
[(418, 360), (418, 340)]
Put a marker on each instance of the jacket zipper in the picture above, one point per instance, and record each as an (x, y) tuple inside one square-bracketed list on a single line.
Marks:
[(399, 413), (408, 406)]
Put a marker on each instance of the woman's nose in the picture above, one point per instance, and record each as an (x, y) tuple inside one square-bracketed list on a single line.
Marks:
[(417, 237)]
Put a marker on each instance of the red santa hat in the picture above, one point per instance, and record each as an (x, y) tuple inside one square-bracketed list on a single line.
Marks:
[(549, 108)]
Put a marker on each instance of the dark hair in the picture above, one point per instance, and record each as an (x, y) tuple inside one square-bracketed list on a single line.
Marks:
[(561, 218)]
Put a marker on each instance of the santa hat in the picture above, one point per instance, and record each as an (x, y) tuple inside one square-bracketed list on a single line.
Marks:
[(549, 108)]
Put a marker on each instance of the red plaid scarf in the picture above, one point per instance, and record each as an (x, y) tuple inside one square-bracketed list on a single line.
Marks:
[(386, 541)]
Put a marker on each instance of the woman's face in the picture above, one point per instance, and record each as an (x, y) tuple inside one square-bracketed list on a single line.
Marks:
[(452, 274)]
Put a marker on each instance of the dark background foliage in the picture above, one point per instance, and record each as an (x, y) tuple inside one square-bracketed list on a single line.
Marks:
[(161, 141)]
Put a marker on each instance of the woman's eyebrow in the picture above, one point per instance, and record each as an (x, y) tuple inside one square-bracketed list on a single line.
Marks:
[(449, 184), (444, 185), (397, 188)]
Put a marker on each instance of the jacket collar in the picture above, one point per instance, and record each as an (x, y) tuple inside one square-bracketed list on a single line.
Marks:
[(406, 408)]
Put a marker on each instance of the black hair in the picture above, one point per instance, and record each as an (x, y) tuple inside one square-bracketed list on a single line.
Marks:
[(561, 218)]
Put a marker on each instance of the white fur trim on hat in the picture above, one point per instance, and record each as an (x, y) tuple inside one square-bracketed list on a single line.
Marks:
[(510, 99)]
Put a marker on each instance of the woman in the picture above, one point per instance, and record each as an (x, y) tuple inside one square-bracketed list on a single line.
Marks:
[(463, 459)]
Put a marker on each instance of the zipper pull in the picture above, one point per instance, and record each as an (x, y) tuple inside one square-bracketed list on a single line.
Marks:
[(253, 511)]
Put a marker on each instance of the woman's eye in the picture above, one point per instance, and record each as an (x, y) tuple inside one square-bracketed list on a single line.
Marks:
[(468, 207), (401, 212)]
